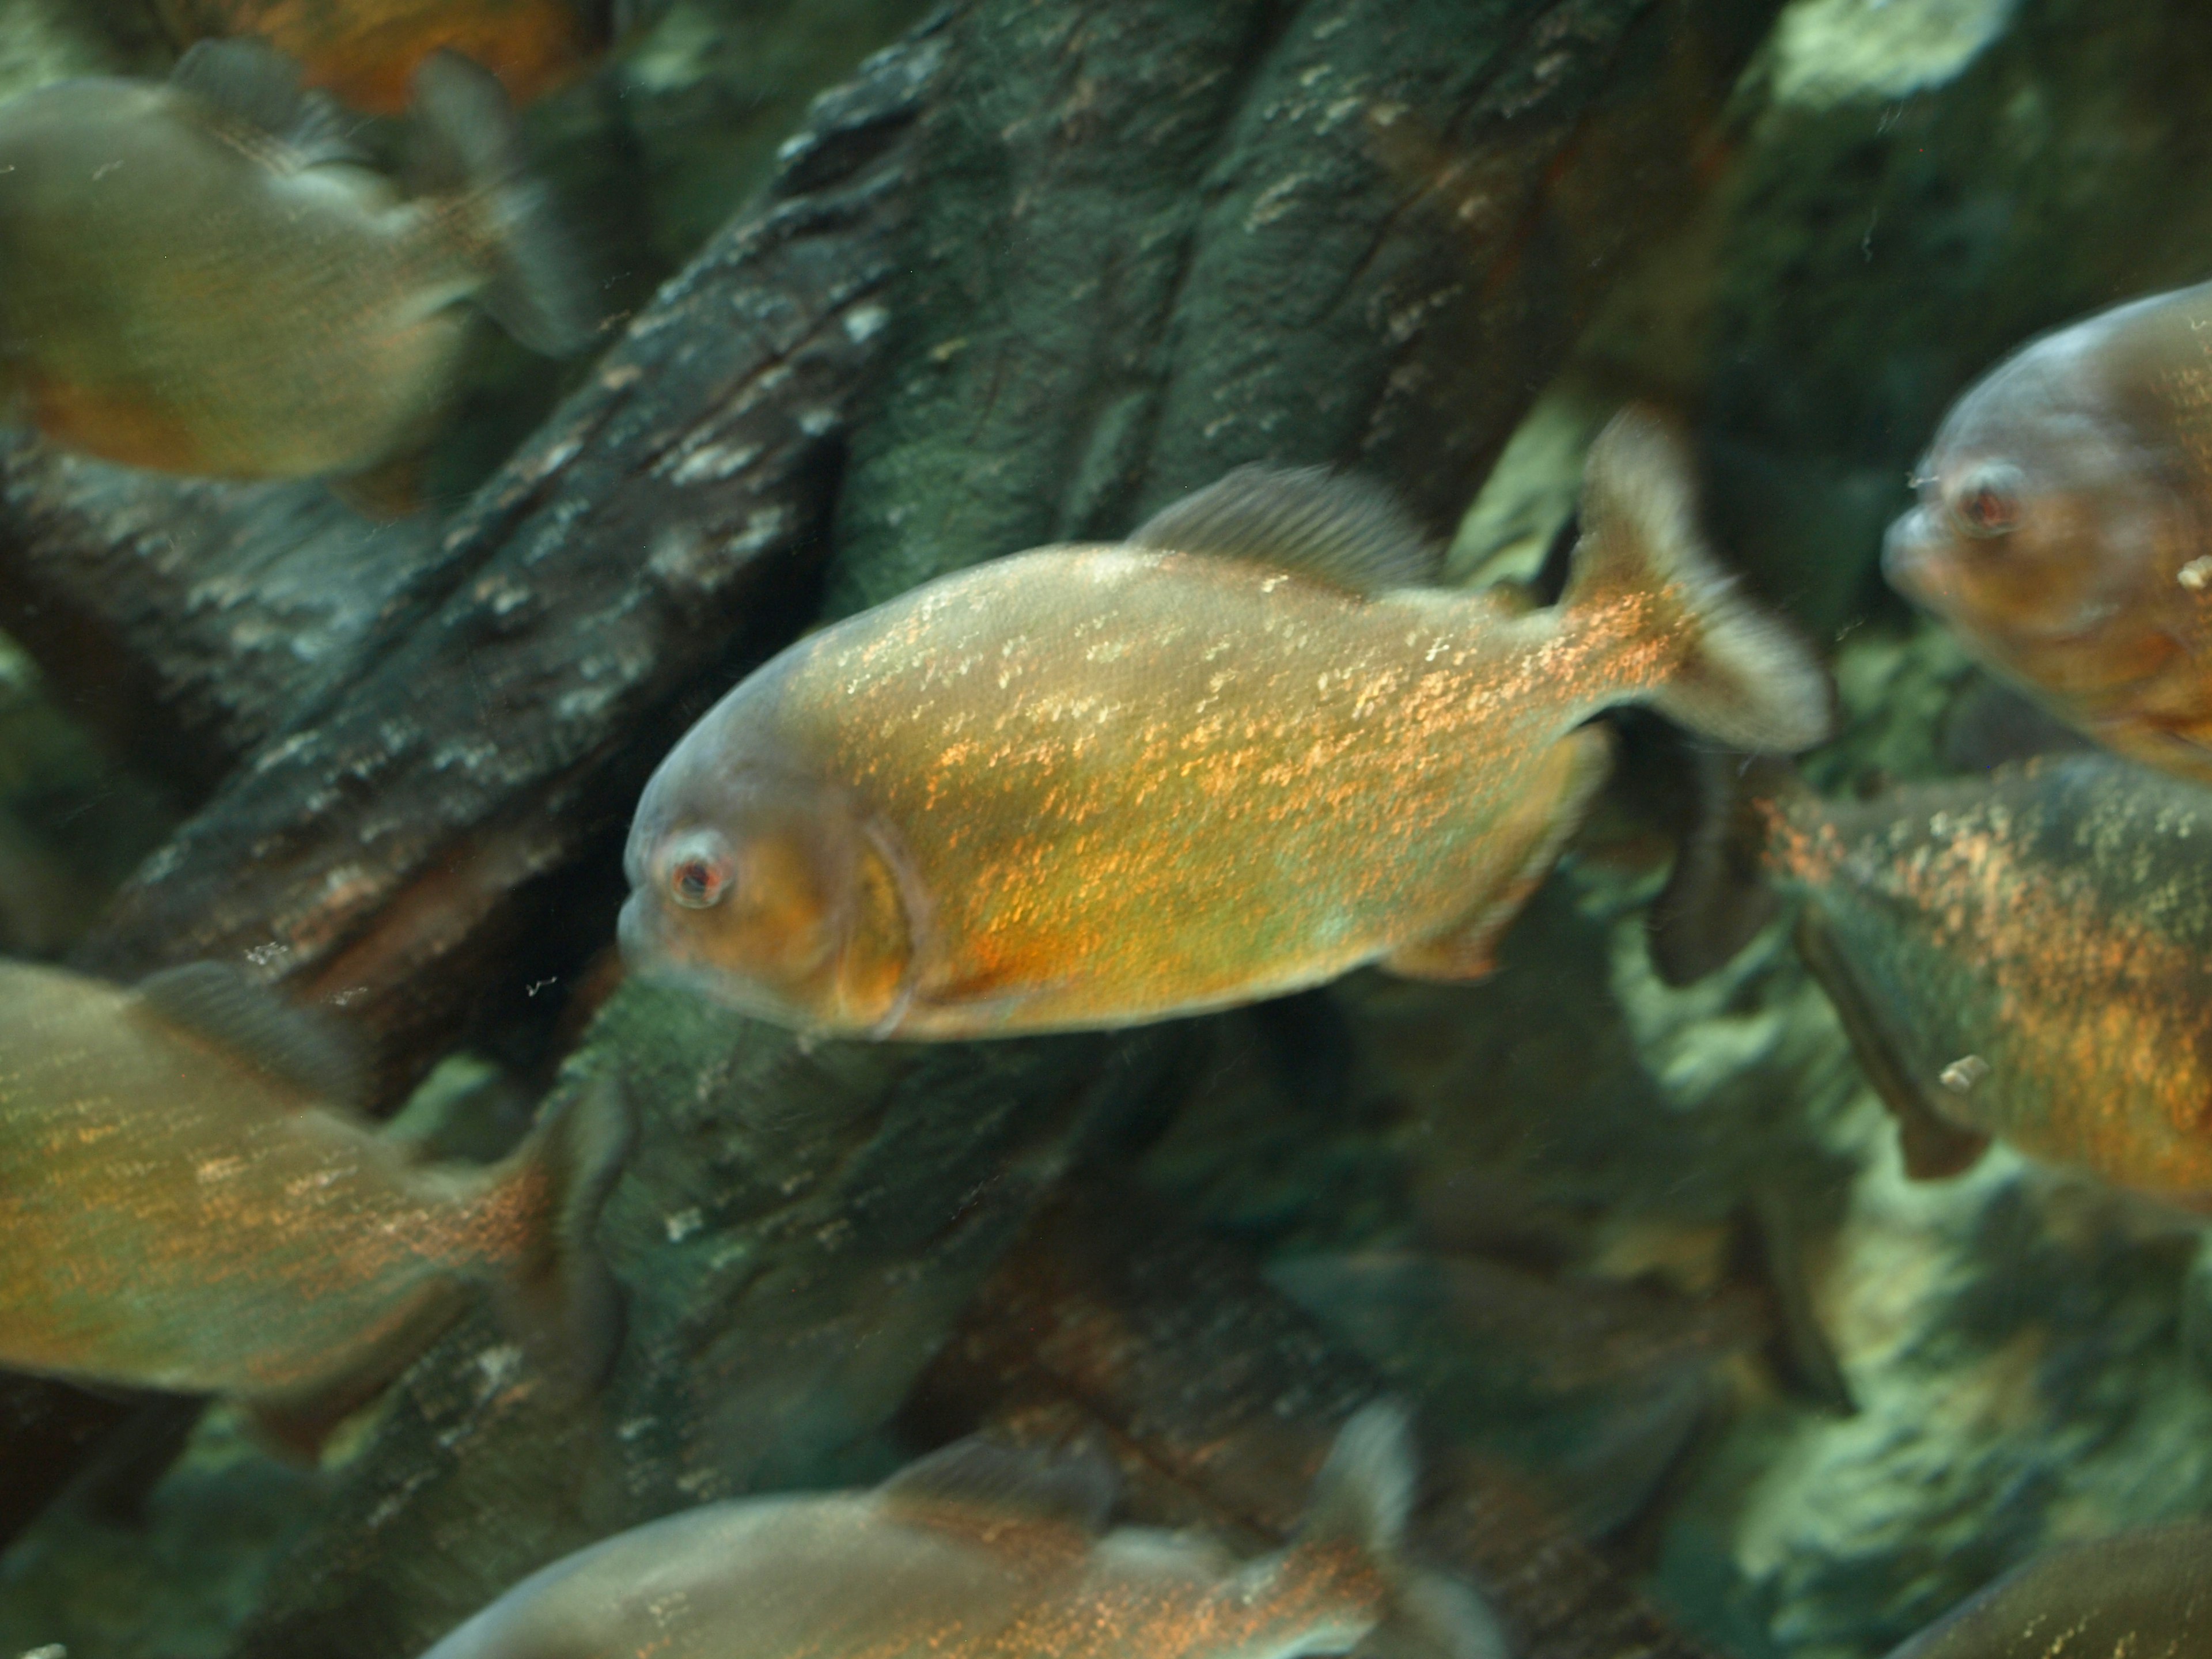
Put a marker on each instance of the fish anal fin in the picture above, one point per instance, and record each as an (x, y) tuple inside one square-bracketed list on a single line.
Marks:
[(393, 488), (987, 1477), (1337, 529), (1933, 1147), (256, 90), (298, 1423), (297, 1046), (1522, 851)]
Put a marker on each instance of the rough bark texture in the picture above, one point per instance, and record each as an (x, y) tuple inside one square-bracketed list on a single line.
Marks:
[(226, 605), (1111, 1317), (1101, 252)]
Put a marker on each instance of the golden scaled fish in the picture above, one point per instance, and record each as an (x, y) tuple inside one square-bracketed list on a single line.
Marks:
[(2144, 1595), (201, 276), (981, 1552), (1242, 752), (183, 1206), (366, 51), (2065, 526), (2026, 956)]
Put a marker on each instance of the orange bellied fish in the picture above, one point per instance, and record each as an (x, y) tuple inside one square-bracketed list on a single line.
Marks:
[(2026, 956), (1243, 751), (201, 275), (2144, 1595), (183, 1206), (980, 1552), (366, 51), (2065, 526)]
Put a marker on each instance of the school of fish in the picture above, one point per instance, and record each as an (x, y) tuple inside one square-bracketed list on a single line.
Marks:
[(1253, 746)]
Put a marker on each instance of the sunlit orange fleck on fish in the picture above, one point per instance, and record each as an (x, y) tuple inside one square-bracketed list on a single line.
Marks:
[(1245, 751), (980, 1552), (2027, 956), (2142, 1594), (183, 1207), (204, 276)]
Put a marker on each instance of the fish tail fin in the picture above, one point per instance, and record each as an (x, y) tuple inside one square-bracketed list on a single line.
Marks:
[(1718, 897), (557, 1296), (1718, 664), (467, 147), (1363, 1499)]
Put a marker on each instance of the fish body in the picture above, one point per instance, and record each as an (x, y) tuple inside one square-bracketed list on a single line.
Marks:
[(2144, 1595), (1092, 786), (2027, 956), (2064, 527), (934, 1566), (175, 1214), (199, 277), (366, 52)]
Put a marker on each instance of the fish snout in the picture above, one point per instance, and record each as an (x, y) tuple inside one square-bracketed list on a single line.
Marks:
[(638, 931), (1911, 556)]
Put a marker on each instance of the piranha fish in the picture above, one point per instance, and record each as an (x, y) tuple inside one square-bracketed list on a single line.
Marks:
[(2026, 956), (982, 1551), (201, 276), (2144, 1595), (184, 1206), (365, 51), (1242, 752), (2064, 527)]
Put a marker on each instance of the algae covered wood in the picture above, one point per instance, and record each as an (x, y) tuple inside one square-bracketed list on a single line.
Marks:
[(1063, 338)]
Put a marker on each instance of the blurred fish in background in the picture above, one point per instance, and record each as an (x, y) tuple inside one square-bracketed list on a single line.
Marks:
[(983, 1550), (2065, 526), (206, 277), (2146, 1593), (367, 52), (191, 1206), (2027, 956)]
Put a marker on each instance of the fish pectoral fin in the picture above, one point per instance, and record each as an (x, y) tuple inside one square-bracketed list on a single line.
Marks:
[(988, 1476), (220, 1006), (1343, 530), (1934, 1147), (254, 91), (1521, 852)]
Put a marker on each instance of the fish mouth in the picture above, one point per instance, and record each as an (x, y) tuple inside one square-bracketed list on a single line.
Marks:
[(1908, 552)]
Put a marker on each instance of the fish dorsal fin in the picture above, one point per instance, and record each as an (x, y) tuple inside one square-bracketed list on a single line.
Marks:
[(256, 92), (1337, 529), (220, 1006), (977, 1475)]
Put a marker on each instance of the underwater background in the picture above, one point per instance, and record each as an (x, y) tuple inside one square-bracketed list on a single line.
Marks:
[(882, 290)]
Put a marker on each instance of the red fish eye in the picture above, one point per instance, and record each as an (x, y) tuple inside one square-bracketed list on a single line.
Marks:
[(697, 880), (1987, 501)]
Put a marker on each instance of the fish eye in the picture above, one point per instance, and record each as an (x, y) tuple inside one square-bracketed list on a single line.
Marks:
[(1986, 501), (699, 871)]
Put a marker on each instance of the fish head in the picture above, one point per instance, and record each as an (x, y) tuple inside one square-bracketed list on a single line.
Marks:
[(2051, 519), (771, 892)]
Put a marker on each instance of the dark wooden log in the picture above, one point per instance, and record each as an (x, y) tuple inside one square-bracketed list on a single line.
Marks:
[(187, 620), (1099, 252), (1111, 1317)]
